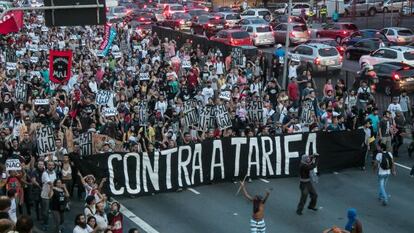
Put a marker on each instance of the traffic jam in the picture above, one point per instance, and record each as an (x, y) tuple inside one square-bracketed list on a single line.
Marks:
[(385, 57)]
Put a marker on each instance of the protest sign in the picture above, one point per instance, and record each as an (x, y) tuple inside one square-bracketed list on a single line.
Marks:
[(21, 92), (104, 97), (110, 112), (85, 143), (41, 101), (255, 111), (60, 65), (222, 117), (144, 76), (225, 95), (186, 64), (13, 165), (190, 112), (142, 113), (11, 65), (221, 160), (45, 140), (207, 118)]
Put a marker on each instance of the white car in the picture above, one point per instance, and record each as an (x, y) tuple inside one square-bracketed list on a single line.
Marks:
[(297, 8), (398, 35), (119, 12), (318, 57), (231, 18), (403, 54), (257, 12), (260, 34), (394, 5), (280, 8)]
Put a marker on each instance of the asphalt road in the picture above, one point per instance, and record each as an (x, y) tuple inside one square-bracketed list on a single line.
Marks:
[(216, 208)]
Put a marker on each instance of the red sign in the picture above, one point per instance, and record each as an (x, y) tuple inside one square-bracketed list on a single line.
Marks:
[(60, 65)]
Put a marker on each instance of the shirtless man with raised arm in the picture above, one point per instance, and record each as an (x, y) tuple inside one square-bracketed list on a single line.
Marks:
[(257, 223)]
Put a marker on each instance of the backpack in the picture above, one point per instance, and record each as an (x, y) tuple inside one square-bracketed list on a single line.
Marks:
[(364, 95), (386, 161)]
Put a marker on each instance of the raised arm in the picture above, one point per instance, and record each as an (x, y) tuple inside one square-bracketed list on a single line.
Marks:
[(245, 193)]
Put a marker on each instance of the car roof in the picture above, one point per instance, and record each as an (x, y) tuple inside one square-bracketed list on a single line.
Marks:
[(397, 28), (402, 48), (258, 9), (232, 30), (259, 25), (394, 64), (318, 45)]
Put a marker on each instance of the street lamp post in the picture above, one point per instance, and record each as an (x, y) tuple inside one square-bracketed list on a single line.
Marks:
[(285, 62)]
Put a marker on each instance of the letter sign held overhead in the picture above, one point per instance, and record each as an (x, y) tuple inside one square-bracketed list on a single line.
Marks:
[(75, 16)]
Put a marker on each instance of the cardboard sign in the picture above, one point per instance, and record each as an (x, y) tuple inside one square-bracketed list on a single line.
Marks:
[(225, 95), (144, 76), (186, 64), (13, 165), (41, 101), (110, 112)]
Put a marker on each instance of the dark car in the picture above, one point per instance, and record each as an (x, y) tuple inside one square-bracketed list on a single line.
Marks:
[(207, 25), (327, 41), (336, 31), (143, 17), (196, 12), (178, 21), (393, 77), (365, 34), (285, 19), (362, 47)]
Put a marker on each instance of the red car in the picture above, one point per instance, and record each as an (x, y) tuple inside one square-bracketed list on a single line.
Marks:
[(327, 41), (207, 25), (337, 31), (178, 22), (233, 37)]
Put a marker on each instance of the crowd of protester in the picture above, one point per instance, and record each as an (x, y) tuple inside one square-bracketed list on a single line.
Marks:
[(45, 184)]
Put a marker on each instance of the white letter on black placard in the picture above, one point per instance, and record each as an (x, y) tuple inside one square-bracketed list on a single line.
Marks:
[(182, 165), (152, 172), (197, 163), (288, 153), (253, 145), (311, 139), (168, 164), (112, 175), (266, 163), (237, 142), (278, 156), (217, 145), (137, 173)]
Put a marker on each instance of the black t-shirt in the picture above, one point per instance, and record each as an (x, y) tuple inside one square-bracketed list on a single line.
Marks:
[(58, 201)]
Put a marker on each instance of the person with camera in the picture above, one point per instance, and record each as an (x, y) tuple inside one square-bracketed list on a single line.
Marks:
[(307, 176)]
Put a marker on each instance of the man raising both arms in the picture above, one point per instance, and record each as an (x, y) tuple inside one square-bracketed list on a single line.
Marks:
[(257, 223)]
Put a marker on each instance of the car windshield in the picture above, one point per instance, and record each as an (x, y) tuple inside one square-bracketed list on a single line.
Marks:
[(349, 26), (240, 35), (300, 28), (182, 16), (409, 55), (405, 32), (329, 42), (263, 29), (328, 52), (176, 8), (262, 13), (233, 17), (406, 72)]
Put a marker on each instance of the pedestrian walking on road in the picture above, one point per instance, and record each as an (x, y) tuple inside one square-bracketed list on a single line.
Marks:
[(257, 223), (384, 166), (353, 225), (307, 176), (323, 12)]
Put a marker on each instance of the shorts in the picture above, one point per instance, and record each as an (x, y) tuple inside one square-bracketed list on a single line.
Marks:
[(257, 226)]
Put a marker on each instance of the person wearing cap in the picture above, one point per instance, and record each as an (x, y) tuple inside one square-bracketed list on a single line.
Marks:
[(307, 175)]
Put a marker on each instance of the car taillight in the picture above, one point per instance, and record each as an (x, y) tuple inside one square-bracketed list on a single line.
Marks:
[(142, 19), (340, 48), (317, 61), (292, 34), (232, 41), (309, 32), (210, 25), (396, 77), (341, 59), (181, 21), (344, 32), (206, 9)]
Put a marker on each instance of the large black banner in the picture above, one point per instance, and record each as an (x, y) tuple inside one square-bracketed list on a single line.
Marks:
[(222, 160)]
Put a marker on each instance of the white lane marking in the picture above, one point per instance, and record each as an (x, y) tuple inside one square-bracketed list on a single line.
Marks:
[(194, 191), (403, 166), (266, 181), (141, 223)]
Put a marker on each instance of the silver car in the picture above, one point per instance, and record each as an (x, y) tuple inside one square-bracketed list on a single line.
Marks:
[(318, 57), (394, 5), (260, 34), (364, 7), (398, 35), (231, 18), (298, 33)]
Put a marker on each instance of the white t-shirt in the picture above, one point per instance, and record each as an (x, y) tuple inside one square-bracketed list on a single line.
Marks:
[(101, 222), (47, 177), (12, 210), (79, 229), (381, 171), (393, 108)]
